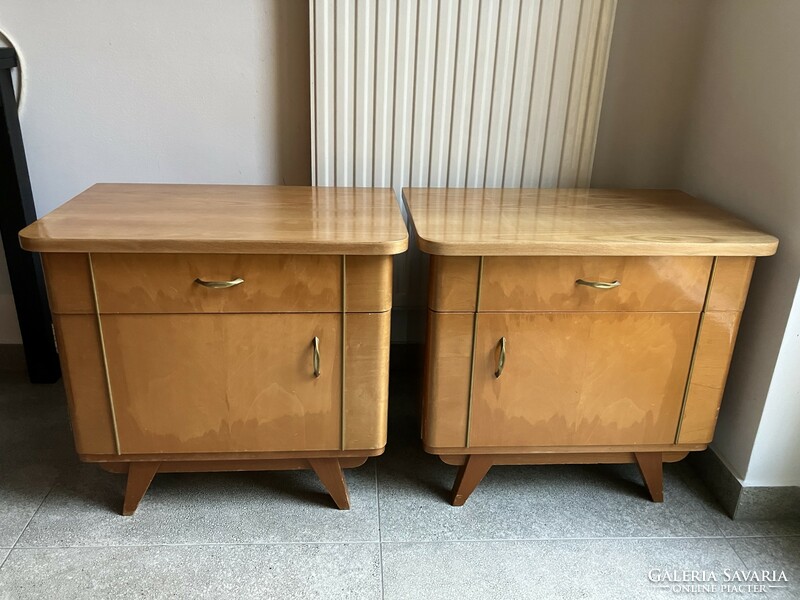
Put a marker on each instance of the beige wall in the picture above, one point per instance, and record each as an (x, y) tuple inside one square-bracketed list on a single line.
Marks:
[(181, 91), (743, 152), (653, 65), (705, 96)]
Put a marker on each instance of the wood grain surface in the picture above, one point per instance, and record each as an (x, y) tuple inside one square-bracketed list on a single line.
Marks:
[(453, 283), (446, 390), (166, 283), (84, 373), (577, 222), (580, 378), (212, 383), (548, 283), (730, 283), (716, 338), (69, 283), (366, 382), (235, 219)]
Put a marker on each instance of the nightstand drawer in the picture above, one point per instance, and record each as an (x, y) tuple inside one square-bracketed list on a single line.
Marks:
[(239, 283), (595, 283)]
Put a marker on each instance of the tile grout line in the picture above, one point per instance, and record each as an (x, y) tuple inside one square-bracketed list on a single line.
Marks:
[(367, 543), (560, 539), (380, 535), (761, 536), (21, 533), (728, 536), (196, 545), (370, 542), (706, 510), (741, 560)]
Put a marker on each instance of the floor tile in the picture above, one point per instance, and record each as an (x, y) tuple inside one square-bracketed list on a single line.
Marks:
[(21, 493), (260, 507), (271, 571), (738, 527), (532, 502), (748, 528), (33, 419), (773, 554), (585, 569), (34, 445)]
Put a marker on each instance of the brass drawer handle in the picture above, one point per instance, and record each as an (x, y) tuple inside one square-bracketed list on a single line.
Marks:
[(218, 285), (599, 285), (501, 360), (315, 345)]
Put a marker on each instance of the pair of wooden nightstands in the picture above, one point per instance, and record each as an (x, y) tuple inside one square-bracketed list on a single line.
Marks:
[(206, 328)]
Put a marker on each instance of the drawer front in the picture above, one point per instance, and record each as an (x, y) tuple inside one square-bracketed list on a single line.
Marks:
[(574, 379), (174, 283), (543, 283), (233, 383)]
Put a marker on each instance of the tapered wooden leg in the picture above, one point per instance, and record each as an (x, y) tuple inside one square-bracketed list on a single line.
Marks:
[(651, 466), (469, 476), (140, 474), (330, 474)]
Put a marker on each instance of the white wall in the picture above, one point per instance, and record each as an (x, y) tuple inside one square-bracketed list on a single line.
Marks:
[(735, 142), (200, 91), (776, 454)]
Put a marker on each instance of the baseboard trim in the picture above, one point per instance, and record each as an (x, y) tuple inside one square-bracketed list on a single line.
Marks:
[(12, 358), (745, 502)]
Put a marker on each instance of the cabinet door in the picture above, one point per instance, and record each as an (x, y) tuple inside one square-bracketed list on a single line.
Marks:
[(224, 383), (573, 379)]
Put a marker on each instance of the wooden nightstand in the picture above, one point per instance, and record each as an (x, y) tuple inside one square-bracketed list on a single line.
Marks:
[(577, 326), (223, 328)]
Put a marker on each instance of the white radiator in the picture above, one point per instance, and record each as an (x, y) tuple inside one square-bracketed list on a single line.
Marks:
[(475, 93)]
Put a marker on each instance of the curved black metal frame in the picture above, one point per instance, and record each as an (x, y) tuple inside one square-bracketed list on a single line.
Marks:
[(16, 211)]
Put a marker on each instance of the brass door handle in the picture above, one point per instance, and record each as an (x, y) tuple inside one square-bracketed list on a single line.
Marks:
[(501, 359), (600, 285), (218, 285), (315, 360)]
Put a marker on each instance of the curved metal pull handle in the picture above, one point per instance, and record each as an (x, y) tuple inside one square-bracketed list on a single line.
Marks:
[(501, 360), (315, 360), (600, 285), (218, 285)]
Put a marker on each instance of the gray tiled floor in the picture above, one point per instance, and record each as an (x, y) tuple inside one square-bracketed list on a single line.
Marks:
[(527, 532)]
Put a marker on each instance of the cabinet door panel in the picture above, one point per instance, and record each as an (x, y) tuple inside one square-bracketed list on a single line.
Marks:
[(580, 378), (232, 383)]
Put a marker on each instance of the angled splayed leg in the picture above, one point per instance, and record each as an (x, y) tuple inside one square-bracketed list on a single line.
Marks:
[(651, 467), (469, 476), (140, 475), (330, 474)]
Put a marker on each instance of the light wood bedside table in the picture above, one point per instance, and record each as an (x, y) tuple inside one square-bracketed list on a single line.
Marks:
[(577, 326), (223, 328)]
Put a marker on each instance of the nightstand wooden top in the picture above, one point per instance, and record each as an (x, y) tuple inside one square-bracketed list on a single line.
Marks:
[(562, 222), (222, 219)]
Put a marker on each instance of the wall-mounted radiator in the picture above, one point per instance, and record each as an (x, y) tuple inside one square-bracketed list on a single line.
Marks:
[(476, 93)]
